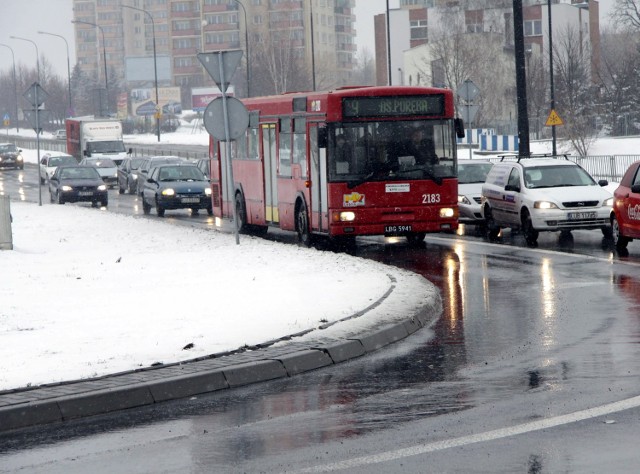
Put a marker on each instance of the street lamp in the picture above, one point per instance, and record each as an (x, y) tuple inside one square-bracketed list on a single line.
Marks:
[(246, 41), (155, 64), (37, 107), (551, 91), (15, 84), (104, 55), (70, 113)]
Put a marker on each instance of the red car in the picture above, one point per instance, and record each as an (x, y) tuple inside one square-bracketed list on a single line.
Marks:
[(625, 215)]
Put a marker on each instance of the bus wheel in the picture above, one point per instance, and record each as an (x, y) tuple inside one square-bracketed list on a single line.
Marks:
[(302, 225), (416, 238), (241, 214)]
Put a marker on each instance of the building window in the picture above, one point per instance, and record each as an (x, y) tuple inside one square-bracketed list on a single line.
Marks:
[(533, 28), (419, 30)]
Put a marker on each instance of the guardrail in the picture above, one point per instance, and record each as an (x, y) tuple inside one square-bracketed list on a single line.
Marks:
[(61, 146)]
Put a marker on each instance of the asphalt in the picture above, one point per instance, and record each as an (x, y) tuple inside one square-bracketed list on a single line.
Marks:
[(283, 357)]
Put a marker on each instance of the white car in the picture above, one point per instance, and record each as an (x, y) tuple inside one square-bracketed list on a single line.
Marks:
[(60, 134), (471, 177), (50, 161), (544, 194), (106, 167)]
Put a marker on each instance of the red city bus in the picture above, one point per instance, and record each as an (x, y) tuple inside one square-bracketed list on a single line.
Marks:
[(353, 161)]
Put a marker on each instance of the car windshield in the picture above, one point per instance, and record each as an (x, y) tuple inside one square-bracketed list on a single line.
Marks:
[(180, 173), (557, 176), (8, 148), (473, 172), (62, 160), (136, 162), (81, 172), (391, 150)]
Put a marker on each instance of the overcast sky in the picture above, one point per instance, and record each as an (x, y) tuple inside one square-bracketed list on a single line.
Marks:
[(25, 18)]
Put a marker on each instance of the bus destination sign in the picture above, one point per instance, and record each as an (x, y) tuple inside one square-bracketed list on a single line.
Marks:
[(363, 107)]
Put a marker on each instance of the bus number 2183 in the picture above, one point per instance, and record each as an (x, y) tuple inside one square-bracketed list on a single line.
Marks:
[(430, 198)]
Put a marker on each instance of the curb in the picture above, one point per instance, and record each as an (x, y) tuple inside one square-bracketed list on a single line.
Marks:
[(281, 358)]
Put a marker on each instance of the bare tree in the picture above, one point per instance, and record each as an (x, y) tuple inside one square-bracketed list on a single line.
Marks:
[(627, 13), (573, 89)]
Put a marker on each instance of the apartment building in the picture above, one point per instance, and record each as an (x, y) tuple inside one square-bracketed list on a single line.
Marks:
[(314, 40)]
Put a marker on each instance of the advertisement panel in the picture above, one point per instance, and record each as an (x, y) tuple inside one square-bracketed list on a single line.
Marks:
[(201, 96), (143, 101)]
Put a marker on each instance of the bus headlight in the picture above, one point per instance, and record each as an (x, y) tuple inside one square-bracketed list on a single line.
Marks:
[(447, 212), (344, 216)]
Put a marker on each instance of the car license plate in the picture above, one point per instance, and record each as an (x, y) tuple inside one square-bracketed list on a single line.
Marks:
[(582, 215), (396, 229), (85, 193), (190, 200)]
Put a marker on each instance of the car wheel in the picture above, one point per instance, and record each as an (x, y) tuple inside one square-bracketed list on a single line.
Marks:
[(41, 180), (492, 230), (210, 211), (302, 224), (51, 198), (104, 203), (607, 231), (132, 188), (194, 211), (60, 199), (241, 214), (146, 208), (120, 189), (619, 240), (530, 234), (159, 209)]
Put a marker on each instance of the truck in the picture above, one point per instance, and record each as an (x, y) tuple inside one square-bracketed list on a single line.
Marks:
[(95, 137)]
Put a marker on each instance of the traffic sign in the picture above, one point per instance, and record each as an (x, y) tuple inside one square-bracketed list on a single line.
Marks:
[(468, 91), (214, 118), (42, 118), (6, 121), (230, 61), (36, 95), (553, 119)]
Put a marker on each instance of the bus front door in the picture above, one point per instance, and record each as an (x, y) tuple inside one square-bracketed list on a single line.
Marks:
[(270, 163)]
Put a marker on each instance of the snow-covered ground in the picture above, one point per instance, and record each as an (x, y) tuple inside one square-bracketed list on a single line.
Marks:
[(86, 292)]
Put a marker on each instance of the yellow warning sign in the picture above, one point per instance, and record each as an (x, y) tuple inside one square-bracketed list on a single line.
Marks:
[(553, 119)]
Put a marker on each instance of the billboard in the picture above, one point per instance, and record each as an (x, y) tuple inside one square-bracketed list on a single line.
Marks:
[(201, 96), (141, 68), (143, 101)]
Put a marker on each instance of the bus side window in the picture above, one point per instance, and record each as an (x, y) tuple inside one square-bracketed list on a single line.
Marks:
[(252, 152)]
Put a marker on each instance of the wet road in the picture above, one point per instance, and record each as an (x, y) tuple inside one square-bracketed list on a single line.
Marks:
[(533, 367)]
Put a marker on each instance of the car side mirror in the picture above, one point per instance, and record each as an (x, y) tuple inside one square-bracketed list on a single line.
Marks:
[(635, 189), (510, 187), (603, 182)]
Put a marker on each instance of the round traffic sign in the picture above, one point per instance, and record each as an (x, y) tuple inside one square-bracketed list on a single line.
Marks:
[(214, 118)]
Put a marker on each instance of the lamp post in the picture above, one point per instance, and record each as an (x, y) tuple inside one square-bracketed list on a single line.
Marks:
[(37, 107), (155, 63), (15, 84), (551, 91), (104, 55), (246, 42), (68, 66)]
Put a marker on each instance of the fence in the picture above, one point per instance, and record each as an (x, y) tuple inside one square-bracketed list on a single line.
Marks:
[(61, 146)]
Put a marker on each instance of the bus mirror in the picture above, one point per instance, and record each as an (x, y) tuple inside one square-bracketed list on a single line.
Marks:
[(459, 126), (322, 137)]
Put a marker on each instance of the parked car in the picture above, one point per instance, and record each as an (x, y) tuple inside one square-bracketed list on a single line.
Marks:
[(10, 156), (625, 215), (60, 134), (106, 167), (50, 161), (544, 194), (471, 176), (150, 162), (78, 184), (176, 186), (128, 174)]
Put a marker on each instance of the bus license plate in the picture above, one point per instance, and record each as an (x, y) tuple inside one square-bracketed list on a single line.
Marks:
[(582, 215), (190, 200), (396, 229)]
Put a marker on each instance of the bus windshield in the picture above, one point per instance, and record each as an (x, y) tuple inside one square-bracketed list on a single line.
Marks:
[(391, 151)]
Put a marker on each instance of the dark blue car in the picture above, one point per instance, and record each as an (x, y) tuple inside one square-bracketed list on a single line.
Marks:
[(176, 186)]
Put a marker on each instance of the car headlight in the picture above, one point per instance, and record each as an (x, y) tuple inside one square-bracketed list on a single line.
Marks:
[(608, 202), (544, 205), (19, 158), (102, 187), (463, 200), (168, 192), (207, 191), (66, 188)]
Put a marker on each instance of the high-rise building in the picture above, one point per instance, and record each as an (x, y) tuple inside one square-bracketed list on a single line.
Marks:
[(292, 44)]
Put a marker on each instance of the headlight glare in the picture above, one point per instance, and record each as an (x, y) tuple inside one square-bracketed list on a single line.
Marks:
[(168, 192), (102, 187), (207, 191), (609, 202), (66, 188), (463, 200), (544, 205), (447, 212)]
